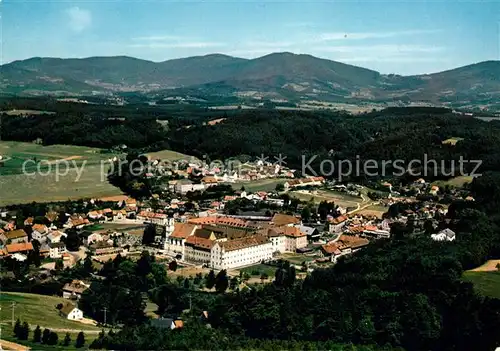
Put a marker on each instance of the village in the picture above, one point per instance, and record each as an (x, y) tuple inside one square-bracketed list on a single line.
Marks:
[(197, 237)]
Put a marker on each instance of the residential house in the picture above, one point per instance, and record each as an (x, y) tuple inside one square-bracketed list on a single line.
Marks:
[(55, 237), (71, 312), (311, 232), (345, 244), (77, 222), (280, 219), (29, 221), (56, 250), (337, 224), (18, 248), (14, 236), (74, 289), (40, 231), (167, 323), (444, 235)]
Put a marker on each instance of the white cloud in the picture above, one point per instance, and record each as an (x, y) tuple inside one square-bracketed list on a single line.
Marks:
[(390, 49), (370, 35), (268, 44), (159, 38), (185, 45), (79, 19), (172, 41)]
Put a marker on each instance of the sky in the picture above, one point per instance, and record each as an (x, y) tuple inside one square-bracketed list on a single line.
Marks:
[(402, 37)]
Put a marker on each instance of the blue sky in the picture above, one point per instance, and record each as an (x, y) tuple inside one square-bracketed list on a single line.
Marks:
[(405, 37)]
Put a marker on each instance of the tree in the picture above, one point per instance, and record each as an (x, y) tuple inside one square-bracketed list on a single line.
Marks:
[(233, 283), (25, 331), (221, 281), (306, 214), (37, 334), (80, 340), (17, 328), (280, 187), (88, 267), (53, 338), (172, 265), (59, 265), (72, 240), (149, 235), (67, 340), (210, 279), (45, 336)]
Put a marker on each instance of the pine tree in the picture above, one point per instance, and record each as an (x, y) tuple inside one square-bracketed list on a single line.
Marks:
[(53, 338), (221, 281), (80, 340), (25, 331), (17, 328), (210, 280), (45, 336), (67, 340), (37, 334)]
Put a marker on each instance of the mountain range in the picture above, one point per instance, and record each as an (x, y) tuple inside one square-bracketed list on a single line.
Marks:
[(277, 75)]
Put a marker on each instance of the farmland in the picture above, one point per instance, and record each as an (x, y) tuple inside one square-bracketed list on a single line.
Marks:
[(259, 185), (485, 282), (317, 196), (169, 155), (29, 172), (38, 310)]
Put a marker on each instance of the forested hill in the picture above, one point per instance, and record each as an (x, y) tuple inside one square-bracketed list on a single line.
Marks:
[(281, 74)]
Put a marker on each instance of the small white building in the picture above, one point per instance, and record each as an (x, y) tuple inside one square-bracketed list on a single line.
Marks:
[(444, 235), (71, 312), (56, 250)]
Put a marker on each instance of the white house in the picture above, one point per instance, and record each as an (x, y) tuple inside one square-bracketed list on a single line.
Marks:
[(56, 249), (40, 231), (55, 237), (336, 225), (444, 235), (71, 312)]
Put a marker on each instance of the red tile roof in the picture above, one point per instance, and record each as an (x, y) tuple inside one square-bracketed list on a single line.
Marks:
[(19, 247), (183, 230), (280, 219)]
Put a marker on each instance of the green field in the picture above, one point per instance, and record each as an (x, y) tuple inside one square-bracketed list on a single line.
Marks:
[(456, 181), (338, 198), (168, 155), (486, 283), (259, 268), (259, 185), (37, 310), (80, 172)]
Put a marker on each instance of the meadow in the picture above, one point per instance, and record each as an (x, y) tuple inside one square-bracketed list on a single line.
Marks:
[(80, 172), (486, 282)]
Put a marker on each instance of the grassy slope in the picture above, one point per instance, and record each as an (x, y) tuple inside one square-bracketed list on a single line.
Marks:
[(20, 188), (487, 283)]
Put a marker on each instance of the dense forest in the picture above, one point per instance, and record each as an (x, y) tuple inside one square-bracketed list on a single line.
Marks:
[(393, 134)]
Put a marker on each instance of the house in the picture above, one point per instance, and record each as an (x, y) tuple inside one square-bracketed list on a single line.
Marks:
[(55, 237), (19, 248), (39, 233), (29, 221), (337, 224), (175, 242), (434, 190), (14, 236), (444, 235), (280, 219), (71, 312), (312, 233), (77, 222), (345, 244), (56, 250), (74, 289), (93, 238), (167, 323)]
